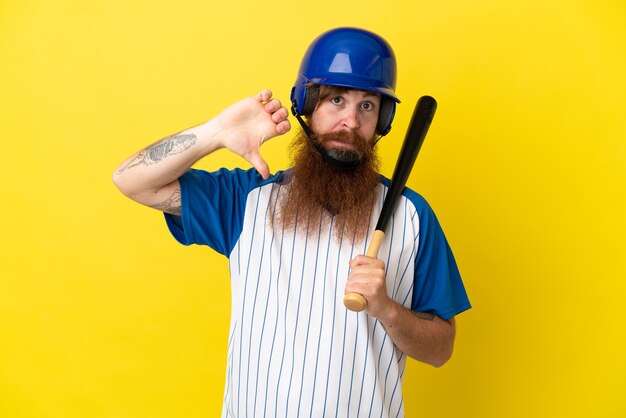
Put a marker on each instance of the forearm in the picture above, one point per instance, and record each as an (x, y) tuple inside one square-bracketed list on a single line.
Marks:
[(424, 337), (145, 173)]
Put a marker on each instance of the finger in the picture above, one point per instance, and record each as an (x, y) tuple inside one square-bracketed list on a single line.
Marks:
[(283, 127), (280, 115), (363, 260), (273, 105), (358, 282), (365, 287), (264, 96), (362, 289), (365, 277)]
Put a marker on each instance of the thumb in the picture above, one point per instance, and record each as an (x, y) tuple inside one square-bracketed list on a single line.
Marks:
[(259, 163)]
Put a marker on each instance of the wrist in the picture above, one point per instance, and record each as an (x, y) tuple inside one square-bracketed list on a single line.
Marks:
[(390, 313), (209, 136)]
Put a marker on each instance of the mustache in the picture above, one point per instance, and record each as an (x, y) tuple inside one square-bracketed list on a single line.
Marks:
[(357, 149), (348, 137)]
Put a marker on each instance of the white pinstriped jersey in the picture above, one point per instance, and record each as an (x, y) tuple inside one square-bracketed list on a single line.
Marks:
[(293, 348)]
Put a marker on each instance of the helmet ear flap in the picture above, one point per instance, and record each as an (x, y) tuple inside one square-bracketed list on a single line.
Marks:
[(311, 94), (385, 115)]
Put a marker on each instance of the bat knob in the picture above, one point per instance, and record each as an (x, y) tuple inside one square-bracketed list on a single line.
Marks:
[(354, 302)]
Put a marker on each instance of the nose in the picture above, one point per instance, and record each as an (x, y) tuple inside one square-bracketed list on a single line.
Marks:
[(350, 118)]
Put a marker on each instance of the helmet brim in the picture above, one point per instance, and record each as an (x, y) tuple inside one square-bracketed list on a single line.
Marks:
[(353, 82)]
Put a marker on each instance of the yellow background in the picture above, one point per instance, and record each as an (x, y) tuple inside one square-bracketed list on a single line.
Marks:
[(103, 314)]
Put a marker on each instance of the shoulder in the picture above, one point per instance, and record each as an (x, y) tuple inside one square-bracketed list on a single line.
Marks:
[(417, 200), (236, 179)]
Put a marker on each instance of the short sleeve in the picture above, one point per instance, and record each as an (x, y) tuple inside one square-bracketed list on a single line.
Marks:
[(213, 206), (438, 287)]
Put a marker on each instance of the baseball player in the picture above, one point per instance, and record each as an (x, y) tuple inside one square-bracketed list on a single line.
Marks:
[(295, 240)]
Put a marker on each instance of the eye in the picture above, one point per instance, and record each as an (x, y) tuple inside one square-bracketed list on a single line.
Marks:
[(367, 106), (337, 100)]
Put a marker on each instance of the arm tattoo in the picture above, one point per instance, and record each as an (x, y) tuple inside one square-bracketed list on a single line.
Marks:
[(160, 150), (425, 316), (421, 315), (171, 204)]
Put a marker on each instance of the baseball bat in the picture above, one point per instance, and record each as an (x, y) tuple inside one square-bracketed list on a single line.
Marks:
[(413, 140)]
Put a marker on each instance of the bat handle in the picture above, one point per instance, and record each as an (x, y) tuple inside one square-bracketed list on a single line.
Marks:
[(354, 301)]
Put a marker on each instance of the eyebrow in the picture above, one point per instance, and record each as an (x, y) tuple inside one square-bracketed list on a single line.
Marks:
[(370, 93), (330, 90)]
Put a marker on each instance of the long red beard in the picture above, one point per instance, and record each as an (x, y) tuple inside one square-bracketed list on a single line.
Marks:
[(319, 192)]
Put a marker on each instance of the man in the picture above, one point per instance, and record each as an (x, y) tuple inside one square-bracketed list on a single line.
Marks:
[(294, 241)]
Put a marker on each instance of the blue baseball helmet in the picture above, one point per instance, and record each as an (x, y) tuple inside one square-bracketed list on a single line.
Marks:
[(348, 57)]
